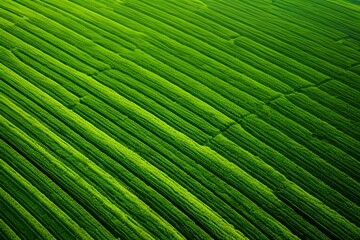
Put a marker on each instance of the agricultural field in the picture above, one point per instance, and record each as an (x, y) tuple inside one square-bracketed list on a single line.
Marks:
[(180, 119)]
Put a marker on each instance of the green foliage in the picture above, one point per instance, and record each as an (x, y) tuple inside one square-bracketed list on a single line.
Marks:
[(184, 119)]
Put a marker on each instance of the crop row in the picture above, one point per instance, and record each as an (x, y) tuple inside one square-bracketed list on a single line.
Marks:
[(53, 192), (173, 61), (117, 101), (135, 163), (301, 37), (20, 219), (151, 105), (38, 205), (98, 88), (343, 21), (285, 48), (157, 202)]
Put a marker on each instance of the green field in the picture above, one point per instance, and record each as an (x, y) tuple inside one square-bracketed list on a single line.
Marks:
[(180, 119)]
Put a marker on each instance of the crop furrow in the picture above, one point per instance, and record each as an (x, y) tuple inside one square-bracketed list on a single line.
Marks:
[(6, 232), (112, 166), (252, 154), (190, 119), (14, 213), (57, 195), (135, 162), (301, 37), (48, 214), (300, 155)]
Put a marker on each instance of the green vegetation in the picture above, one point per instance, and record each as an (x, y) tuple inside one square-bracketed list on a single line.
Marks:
[(188, 119)]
